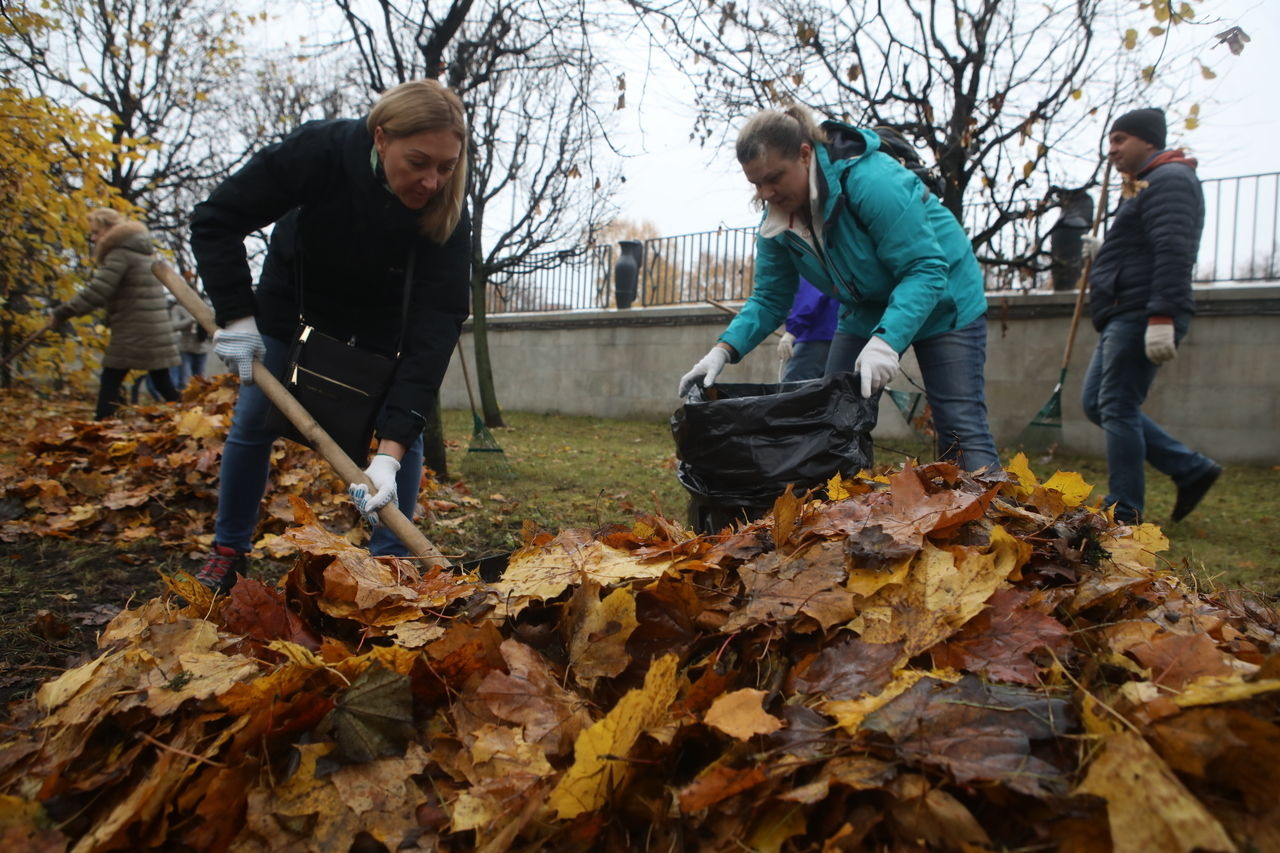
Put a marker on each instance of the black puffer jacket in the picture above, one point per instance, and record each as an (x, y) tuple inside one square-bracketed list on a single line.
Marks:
[(342, 240), (1146, 261)]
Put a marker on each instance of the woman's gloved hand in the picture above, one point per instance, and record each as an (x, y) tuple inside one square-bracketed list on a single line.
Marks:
[(382, 473), (785, 346), (1159, 340), (877, 364), (1089, 246), (707, 369), (239, 345)]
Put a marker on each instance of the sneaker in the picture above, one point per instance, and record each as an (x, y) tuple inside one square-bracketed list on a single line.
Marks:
[(219, 572), (1190, 495)]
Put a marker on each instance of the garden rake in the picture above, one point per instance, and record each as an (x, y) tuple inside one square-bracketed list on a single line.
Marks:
[(1044, 433), (482, 440)]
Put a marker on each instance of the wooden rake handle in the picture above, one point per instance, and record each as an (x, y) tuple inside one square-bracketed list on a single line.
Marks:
[(390, 515), (1083, 284), (26, 342)]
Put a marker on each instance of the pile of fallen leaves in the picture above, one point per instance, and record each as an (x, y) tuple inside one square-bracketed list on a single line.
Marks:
[(152, 473), (924, 660)]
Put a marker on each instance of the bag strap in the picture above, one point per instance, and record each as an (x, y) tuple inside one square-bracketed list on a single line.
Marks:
[(410, 263)]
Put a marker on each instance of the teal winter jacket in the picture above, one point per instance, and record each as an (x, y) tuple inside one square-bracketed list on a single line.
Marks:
[(896, 259)]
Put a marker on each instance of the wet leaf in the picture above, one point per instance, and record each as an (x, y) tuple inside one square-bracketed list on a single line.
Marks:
[(373, 718)]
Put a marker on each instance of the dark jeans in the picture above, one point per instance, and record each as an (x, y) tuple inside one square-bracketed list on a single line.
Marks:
[(111, 389), (808, 361), (952, 366), (246, 464), (192, 365), (1115, 387)]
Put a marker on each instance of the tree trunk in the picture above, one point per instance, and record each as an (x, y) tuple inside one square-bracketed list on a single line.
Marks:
[(480, 338), (433, 443)]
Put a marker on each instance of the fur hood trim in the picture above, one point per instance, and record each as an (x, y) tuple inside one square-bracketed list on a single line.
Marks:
[(121, 233)]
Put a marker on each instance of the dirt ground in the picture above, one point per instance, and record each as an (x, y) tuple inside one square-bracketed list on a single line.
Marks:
[(55, 596)]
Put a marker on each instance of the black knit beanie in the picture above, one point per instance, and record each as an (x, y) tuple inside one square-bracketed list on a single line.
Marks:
[(1145, 124)]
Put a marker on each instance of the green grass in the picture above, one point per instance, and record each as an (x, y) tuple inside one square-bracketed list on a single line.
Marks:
[(568, 471)]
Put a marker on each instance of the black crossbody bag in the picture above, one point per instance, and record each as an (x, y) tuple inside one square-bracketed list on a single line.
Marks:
[(340, 385)]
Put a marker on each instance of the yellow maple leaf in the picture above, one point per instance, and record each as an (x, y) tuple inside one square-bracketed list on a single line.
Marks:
[(741, 714), (597, 753), (1073, 488), (1147, 807)]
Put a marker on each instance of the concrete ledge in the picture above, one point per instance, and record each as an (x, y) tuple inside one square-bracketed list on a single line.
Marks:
[(1221, 395)]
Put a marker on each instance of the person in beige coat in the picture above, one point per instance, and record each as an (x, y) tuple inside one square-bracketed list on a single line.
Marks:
[(137, 313)]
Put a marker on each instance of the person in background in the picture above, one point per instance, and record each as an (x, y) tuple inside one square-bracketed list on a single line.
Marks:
[(122, 283), (805, 344), (193, 345), (863, 228), (354, 202), (1141, 303)]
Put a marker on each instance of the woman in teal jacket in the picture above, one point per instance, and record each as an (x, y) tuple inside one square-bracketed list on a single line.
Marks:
[(859, 225)]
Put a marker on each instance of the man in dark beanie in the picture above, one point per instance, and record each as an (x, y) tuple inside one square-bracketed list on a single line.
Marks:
[(1141, 303)]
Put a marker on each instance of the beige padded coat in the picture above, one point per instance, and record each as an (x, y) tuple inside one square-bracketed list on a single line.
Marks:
[(142, 336)]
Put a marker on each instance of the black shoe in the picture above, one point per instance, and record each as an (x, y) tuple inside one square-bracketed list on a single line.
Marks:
[(220, 571), (1190, 495)]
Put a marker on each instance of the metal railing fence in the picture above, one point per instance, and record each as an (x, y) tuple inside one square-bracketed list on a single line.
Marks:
[(1241, 243), (1230, 252)]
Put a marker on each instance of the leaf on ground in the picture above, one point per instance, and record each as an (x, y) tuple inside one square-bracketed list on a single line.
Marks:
[(529, 693), (599, 754), (373, 718), (542, 572), (1003, 639), (779, 588), (1147, 807), (938, 820), (741, 714), (848, 668), (600, 630), (1176, 659), (260, 612), (716, 783), (978, 731), (944, 589)]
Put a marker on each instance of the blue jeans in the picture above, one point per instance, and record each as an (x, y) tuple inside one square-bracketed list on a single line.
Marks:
[(808, 360), (1115, 387), (192, 365), (951, 365), (246, 464)]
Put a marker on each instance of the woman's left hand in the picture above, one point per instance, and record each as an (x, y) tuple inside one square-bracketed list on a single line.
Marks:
[(382, 473), (877, 364)]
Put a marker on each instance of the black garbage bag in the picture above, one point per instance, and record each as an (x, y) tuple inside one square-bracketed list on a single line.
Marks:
[(740, 444)]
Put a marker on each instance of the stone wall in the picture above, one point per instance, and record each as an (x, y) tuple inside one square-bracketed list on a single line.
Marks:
[(1221, 395)]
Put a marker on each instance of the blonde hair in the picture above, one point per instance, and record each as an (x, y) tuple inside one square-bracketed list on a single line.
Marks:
[(417, 107), (783, 131), (104, 217)]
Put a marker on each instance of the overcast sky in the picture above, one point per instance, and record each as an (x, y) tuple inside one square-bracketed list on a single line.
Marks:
[(683, 188)]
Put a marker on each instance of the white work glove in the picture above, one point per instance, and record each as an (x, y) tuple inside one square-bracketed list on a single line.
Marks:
[(1089, 247), (382, 473), (1159, 341), (877, 364), (707, 369), (785, 345), (239, 345)]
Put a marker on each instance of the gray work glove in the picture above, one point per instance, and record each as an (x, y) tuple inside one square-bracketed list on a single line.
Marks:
[(707, 369), (1159, 340), (382, 473), (240, 345), (1089, 246), (786, 344), (877, 364)]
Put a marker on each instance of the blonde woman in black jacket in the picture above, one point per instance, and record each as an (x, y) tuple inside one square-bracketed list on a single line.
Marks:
[(352, 201)]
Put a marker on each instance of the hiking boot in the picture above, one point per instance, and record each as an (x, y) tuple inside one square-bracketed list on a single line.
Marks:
[(1190, 495), (219, 572)]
